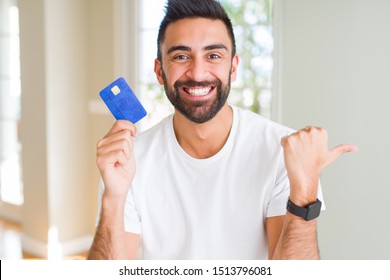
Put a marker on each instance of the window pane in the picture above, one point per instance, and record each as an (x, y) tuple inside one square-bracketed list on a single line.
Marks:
[(252, 22), (151, 93), (10, 108), (152, 13)]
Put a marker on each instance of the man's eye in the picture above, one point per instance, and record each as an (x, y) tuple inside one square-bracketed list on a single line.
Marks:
[(214, 56), (181, 57)]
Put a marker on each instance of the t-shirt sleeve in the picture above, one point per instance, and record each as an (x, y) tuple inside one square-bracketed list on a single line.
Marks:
[(132, 217), (280, 192), (132, 221)]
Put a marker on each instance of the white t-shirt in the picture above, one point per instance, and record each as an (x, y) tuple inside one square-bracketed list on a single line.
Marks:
[(214, 208)]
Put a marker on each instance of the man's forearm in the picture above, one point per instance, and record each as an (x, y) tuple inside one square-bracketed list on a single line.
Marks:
[(298, 239), (109, 242)]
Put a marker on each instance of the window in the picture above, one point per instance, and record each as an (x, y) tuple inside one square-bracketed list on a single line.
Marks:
[(153, 95), (11, 190), (252, 21)]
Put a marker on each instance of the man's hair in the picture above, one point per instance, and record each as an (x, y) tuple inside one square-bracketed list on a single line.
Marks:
[(182, 9)]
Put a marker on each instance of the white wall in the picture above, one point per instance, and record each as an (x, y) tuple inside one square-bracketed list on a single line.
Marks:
[(69, 52), (55, 131), (34, 219), (336, 73)]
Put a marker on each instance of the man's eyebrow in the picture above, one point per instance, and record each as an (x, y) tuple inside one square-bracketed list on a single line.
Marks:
[(215, 47), (178, 48), (186, 48)]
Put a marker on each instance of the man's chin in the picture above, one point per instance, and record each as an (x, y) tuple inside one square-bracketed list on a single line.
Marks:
[(200, 114)]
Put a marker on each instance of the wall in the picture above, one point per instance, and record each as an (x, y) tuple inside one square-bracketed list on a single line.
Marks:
[(335, 74), (70, 50), (100, 73), (60, 44), (35, 216)]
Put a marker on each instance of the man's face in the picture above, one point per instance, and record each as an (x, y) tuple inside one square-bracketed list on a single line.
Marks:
[(197, 67)]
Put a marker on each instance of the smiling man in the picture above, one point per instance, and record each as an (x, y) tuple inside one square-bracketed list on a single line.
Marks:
[(199, 64), (212, 180)]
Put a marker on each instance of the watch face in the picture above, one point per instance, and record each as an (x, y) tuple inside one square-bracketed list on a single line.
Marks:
[(313, 210)]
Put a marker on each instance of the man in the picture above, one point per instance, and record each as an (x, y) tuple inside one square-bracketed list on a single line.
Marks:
[(212, 180)]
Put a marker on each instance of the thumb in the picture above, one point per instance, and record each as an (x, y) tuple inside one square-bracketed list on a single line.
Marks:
[(339, 150)]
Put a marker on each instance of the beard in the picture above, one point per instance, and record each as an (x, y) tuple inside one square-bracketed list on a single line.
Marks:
[(198, 111)]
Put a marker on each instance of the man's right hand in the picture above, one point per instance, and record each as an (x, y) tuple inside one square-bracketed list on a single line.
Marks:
[(115, 159)]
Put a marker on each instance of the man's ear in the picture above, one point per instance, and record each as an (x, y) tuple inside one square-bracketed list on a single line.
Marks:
[(158, 70), (233, 74)]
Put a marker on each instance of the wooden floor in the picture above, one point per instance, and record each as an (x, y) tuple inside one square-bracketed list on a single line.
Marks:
[(11, 243)]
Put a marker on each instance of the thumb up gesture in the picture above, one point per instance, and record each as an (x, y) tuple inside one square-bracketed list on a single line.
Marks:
[(306, 154)]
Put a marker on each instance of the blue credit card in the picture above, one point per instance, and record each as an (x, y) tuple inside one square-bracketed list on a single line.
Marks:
[(122, 102)]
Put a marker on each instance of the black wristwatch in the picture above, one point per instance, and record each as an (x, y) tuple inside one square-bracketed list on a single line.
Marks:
[(308, 213)]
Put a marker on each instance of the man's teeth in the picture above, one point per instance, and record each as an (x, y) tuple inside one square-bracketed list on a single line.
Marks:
[(198, 91)]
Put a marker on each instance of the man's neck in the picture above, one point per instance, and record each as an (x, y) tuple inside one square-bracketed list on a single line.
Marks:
[(203, 140)]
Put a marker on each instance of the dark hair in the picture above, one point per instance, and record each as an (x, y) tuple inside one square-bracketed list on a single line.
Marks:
[(182, 9)]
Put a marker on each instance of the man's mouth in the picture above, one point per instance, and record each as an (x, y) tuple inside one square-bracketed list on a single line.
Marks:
[(198, 91)]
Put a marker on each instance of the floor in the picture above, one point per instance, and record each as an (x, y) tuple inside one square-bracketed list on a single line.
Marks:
[(11, 243)]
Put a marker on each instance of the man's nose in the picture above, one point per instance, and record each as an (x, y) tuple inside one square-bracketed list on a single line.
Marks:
[(197, 70)]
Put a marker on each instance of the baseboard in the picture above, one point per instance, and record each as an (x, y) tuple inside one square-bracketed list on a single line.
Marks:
[(58, 250)]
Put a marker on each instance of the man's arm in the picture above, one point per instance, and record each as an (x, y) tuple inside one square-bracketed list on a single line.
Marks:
[(116, 164), (306, 153), (291, 237), (274, 226), (111, 242)]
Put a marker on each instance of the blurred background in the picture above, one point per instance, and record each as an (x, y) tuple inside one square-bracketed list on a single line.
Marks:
[(302, 62)]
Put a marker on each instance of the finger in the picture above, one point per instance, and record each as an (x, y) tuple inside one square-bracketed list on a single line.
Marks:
[(283, 140), (314, 128), (121, 144), (122, 125), (304, 133), (339, 150), (119, 135), (111, 160), (290, 141)]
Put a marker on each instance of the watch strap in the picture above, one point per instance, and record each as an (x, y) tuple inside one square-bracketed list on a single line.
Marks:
[(308, 213)]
